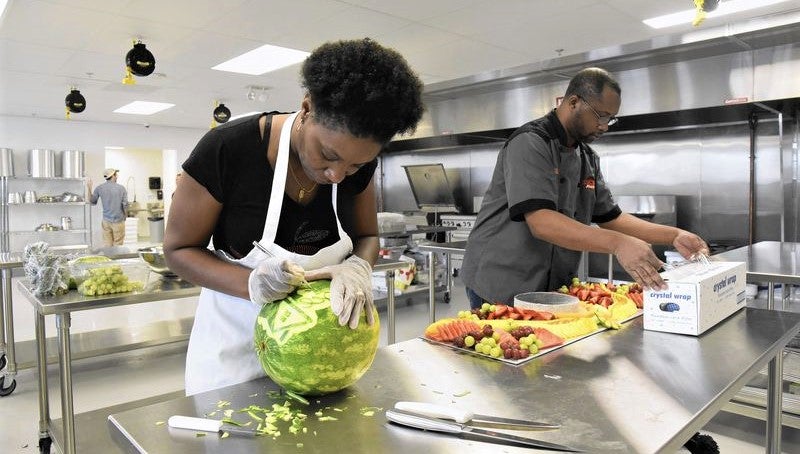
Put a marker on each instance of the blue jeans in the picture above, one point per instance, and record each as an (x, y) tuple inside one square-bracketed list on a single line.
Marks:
[(475, 301)]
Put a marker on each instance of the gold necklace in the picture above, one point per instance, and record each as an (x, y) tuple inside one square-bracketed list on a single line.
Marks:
[(303, 191)]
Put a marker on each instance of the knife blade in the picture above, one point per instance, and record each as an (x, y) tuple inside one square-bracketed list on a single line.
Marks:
[(439, 425), (465, 417), (208, 425)]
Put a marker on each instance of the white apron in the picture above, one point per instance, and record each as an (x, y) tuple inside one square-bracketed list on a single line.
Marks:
[(221, 350)]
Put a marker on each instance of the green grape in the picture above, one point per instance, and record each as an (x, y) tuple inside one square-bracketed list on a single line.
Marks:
[(496, 351), (533, 349), (469, 341), (485, 307)]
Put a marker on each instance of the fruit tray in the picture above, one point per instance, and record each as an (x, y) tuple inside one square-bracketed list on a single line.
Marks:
[(544, 351)]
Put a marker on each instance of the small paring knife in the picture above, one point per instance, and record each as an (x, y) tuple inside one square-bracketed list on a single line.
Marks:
[(465, 417), (208, 425)]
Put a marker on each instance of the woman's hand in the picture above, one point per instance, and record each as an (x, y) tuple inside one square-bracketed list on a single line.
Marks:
[(273, 279), (351, 289)]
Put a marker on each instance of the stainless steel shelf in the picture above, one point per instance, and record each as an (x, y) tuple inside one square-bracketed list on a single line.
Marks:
[(21, 178), (46, 232), (40, 204)]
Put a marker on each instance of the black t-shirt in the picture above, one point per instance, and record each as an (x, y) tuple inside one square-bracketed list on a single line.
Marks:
[(230, 161)]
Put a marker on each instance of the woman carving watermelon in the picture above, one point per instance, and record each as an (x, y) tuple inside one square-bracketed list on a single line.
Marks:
[(301, 185)]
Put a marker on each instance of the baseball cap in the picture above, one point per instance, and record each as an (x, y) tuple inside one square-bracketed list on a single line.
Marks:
[(108, 173)]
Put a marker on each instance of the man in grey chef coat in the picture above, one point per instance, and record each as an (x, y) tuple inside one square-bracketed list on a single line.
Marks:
[(545, 192), (115, 207)]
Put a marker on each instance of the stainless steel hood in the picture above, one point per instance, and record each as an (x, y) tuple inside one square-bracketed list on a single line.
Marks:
[(757, 60)]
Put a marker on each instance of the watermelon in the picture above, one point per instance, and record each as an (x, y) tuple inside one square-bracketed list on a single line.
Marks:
[(302, 347)]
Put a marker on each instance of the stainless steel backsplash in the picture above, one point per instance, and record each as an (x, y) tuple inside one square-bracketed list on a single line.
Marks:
[(706, 168)]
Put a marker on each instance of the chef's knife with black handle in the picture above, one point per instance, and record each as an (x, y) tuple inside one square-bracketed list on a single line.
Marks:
[(465, 417), (439, 425), (208, 425)]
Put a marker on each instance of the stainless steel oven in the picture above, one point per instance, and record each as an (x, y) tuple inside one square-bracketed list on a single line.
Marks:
[(463, 224)]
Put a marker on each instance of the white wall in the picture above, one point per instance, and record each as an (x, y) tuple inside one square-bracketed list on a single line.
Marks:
[(24, 133)]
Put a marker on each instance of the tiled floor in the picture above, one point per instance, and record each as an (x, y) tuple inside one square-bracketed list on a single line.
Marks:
[(120, 378)]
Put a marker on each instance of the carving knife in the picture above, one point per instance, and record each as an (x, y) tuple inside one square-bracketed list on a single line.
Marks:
[(440, 425), (208, 425), (465, 417)]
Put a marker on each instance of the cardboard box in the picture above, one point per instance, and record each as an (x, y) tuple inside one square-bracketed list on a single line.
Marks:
[(698, 297)]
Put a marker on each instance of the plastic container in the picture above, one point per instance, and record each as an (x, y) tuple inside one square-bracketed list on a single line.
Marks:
[(391, 223), (156, 229), (547, 301), (135, 269)]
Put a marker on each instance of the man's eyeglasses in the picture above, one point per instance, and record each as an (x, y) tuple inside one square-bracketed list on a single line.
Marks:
[(603, 119)]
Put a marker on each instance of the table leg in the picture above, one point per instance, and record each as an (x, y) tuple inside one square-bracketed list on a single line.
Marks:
[(775, 403), (65, 366), (771, 295), (2, 317), (390, 306), (432, 286), (41, 363), (774, 390), (8, 326)]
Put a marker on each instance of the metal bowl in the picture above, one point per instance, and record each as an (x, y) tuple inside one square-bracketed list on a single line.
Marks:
[(154, 257)]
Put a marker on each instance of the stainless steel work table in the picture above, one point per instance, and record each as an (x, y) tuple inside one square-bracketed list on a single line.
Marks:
[(618, 391), (158, 290), (454, 247), (8, 361), (8, 262), (773, 262)]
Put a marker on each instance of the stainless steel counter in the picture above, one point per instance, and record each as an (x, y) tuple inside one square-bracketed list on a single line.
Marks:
[(772, 262), (8, 361), (768, 261), (618, 391), (63, 305)]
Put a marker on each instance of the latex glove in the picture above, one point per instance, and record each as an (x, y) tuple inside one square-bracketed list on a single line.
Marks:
[(351, 289), (273, 279)]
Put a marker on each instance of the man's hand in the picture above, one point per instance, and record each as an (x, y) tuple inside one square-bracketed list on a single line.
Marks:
[(639, 260), (689, 245)]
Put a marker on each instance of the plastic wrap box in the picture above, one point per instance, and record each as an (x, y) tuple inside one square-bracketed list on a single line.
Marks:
[(698, 297)]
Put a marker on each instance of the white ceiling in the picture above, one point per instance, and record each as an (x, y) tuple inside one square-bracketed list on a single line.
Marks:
[(46, 46)]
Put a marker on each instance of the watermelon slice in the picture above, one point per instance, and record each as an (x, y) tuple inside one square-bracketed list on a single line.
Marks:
[(447, 330), (548, 339)]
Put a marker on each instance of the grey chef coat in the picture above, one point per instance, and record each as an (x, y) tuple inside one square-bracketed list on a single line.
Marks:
[(534, 170)]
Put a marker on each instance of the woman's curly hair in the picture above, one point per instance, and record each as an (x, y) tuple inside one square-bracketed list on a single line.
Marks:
[(363, 88)]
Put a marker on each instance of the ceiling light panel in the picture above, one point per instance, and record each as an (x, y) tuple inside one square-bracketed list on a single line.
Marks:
[(262, 60), (143, 108)]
